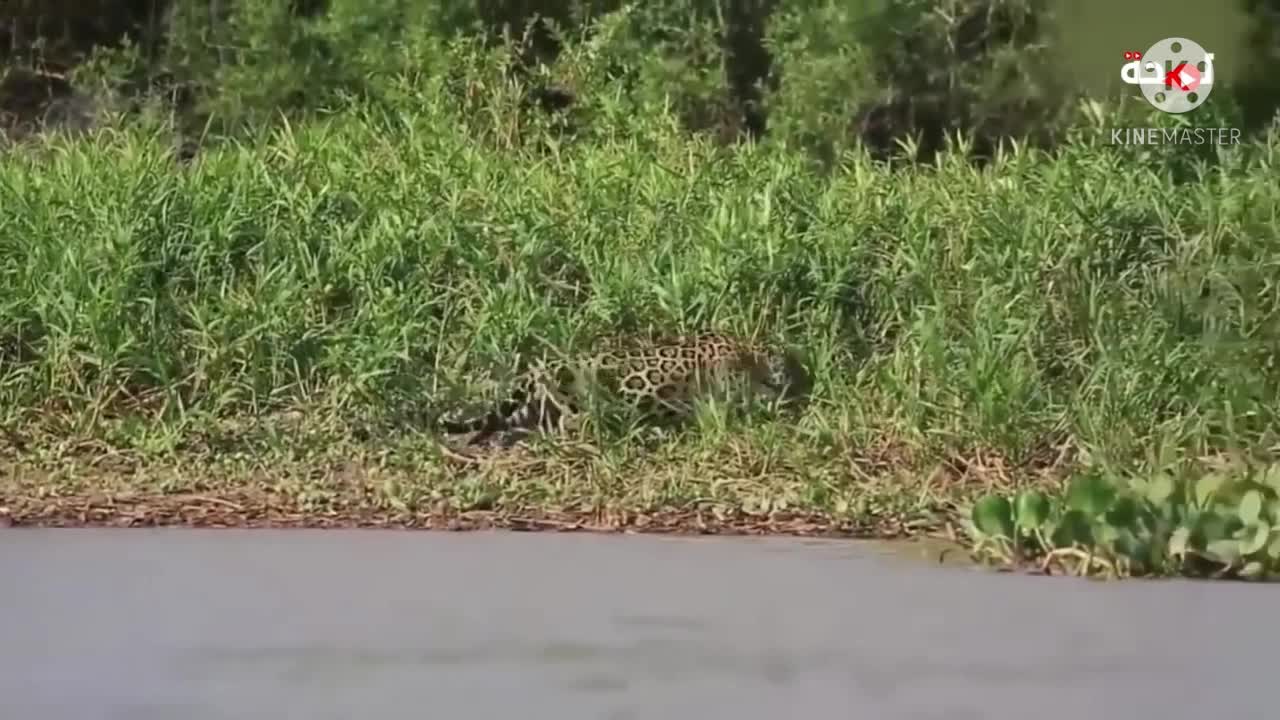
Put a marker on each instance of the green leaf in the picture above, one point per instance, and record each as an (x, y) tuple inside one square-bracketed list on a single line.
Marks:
[(1160, 488), (1124, 513), (1126, 543), (1206, 486), (1255, 539), (1105, 535), (993, 516), (1211, 526), (1270, 476), (1253, 570), (1226, 551), (1032, 510), (1250, 507), (1074, 528), (1091, 494), (1273, 548)]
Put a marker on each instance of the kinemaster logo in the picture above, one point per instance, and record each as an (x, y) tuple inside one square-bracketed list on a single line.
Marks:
[(1175, 75)]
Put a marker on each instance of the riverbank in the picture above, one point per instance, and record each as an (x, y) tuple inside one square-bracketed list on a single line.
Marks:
[(264, 331)]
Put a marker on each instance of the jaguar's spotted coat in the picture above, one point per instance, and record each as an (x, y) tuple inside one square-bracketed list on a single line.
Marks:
[(661, 380)]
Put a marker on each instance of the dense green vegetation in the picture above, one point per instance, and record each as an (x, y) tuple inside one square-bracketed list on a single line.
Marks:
[(275, 259)]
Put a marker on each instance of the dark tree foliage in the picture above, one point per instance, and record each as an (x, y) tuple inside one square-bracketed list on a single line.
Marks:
[(928, 67)]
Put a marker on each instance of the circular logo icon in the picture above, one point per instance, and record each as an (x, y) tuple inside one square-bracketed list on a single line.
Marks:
[(1177, 75)]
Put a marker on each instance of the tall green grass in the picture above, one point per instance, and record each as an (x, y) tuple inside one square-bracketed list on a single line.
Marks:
[(386, 258), (387, 213)]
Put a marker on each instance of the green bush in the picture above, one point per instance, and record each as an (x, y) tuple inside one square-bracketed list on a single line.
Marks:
[(1258, 92), (821, 74), (1224, 523), (730, 69), (914, 73)]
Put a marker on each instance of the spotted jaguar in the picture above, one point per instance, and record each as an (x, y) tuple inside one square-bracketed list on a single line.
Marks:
[(660, 380)]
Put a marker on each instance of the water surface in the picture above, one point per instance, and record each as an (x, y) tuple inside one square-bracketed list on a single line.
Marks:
[(389, 624)]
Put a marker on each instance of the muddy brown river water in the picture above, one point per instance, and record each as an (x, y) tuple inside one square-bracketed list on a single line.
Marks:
[(191, 624)]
